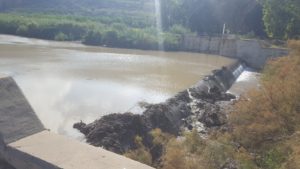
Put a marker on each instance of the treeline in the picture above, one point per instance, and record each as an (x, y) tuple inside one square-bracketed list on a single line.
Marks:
[(133, 13), (263, 131), (90, 32), (254, 18), (131, 23), (208, 17), (261, 18), (282, 18)]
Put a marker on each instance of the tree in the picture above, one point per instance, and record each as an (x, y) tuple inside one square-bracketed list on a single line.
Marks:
[(208, 17), (60, 37), (93, 38), (282, 18)]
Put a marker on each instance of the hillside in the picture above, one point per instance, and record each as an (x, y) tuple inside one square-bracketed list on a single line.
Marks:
[(83, 7), (133, 23)]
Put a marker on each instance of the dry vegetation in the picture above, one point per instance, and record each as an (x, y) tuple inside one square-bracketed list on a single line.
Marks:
[(264, 129)]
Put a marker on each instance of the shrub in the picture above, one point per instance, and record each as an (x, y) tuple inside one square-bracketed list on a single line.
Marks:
[(175, 156), (140, 154), (179, 29), (93, 38), (193, 142), (22, 30), (110, 38), (172, 41), (61, 37), (273, 111), (273, 158)]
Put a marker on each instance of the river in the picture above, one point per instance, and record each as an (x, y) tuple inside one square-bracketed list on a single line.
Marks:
[(67, 82)]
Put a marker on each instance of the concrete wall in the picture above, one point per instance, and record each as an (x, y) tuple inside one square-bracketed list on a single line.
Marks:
[(17, 118), (249, 51), (21, 160)]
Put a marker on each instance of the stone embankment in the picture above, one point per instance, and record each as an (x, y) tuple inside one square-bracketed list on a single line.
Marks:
[(199, 107)]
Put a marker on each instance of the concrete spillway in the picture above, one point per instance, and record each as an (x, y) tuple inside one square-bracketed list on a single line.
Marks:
[(24, 142)]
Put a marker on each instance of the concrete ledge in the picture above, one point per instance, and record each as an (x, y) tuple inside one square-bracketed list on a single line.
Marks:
[(47, 150)]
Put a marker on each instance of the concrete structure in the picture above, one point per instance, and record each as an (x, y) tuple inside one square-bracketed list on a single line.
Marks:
[(252, 52), (17, 118), (25, 144)]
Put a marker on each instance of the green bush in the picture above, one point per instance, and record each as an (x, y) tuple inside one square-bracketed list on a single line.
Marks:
[(22, 30), (141, 154), (110, 38), (172, 41), (61, 37), (93, 38), (272, 159)]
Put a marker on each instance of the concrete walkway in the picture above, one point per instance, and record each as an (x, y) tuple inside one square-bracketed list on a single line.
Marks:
[(71, 154)]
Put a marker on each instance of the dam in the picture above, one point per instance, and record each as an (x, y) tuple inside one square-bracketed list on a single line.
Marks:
[(24, 135)]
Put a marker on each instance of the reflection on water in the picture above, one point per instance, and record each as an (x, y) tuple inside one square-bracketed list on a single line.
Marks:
[(68, 82)]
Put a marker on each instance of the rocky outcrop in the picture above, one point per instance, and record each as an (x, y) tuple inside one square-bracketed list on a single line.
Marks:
[(115, 132), (199, 107)]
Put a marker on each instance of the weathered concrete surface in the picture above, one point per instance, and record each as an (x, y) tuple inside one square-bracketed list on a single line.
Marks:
[(17, 118), (252, 52), (68, 154)]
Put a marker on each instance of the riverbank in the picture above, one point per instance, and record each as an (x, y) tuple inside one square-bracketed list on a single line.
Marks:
[(254, 52), (89, 31)]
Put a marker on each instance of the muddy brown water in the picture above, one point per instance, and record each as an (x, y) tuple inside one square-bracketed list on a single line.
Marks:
[(68, 82)]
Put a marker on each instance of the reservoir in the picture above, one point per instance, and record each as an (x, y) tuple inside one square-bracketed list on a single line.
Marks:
[(67, 82)]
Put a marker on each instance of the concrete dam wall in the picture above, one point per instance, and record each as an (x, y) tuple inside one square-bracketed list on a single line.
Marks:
[(252, 52)]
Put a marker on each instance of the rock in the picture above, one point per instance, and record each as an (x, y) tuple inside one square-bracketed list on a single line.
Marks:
[(81, 127), (199, 107), (212, 116), (115, 132), (144, 105)]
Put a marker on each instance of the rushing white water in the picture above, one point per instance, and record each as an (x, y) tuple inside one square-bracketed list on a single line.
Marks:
[(248, 79), (238, 71), (159, 25)]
